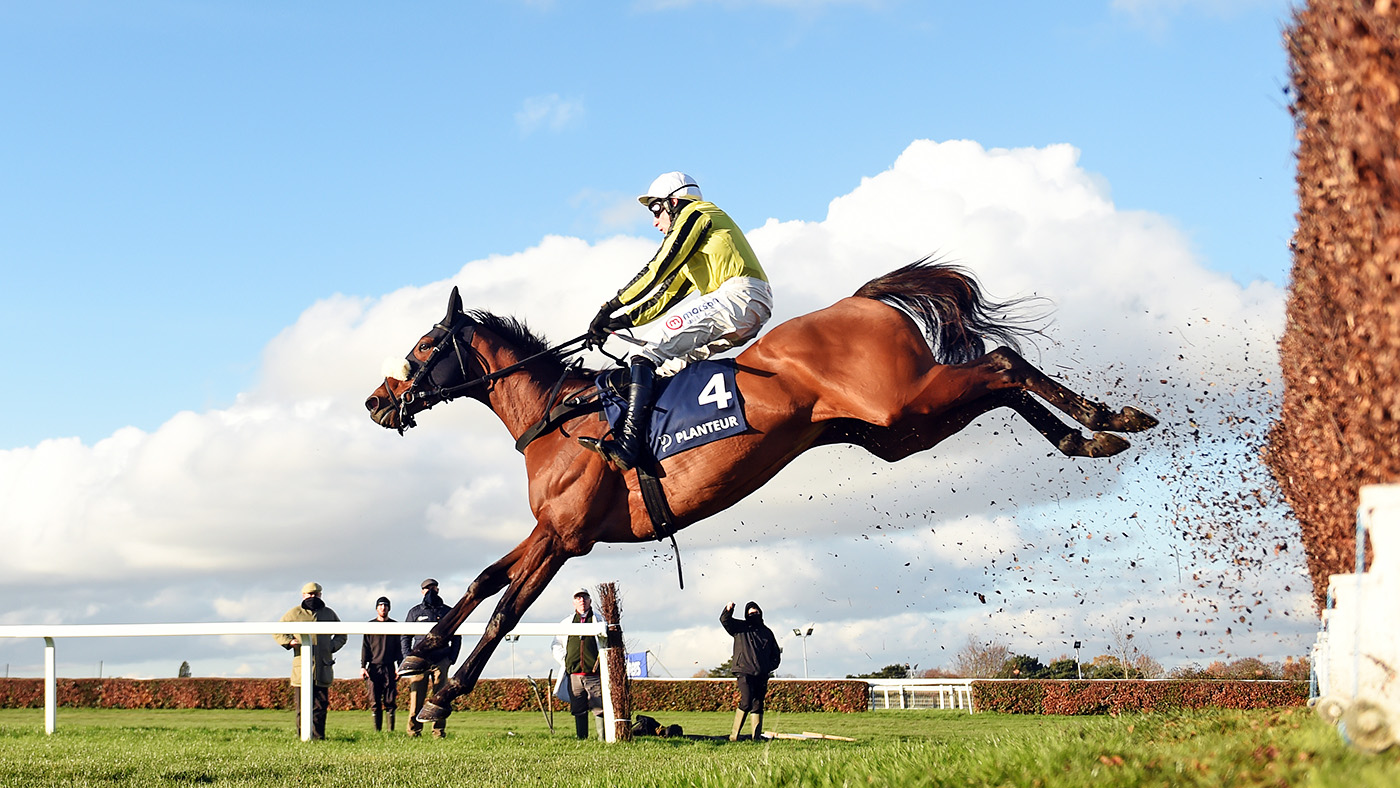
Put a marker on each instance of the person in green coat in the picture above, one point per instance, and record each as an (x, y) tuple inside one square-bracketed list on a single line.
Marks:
[(312, 608)]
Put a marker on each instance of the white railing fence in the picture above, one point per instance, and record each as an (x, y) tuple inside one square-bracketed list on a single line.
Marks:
[(1355, 654), (303, 631), (920, 694)]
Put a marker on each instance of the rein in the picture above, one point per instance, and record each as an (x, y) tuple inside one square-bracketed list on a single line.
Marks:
[(447, 393)]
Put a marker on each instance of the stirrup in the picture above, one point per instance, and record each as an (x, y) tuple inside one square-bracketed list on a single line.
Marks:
[(609, 450)]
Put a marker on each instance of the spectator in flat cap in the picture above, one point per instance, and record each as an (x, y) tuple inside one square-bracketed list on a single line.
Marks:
[(579, 656), (422, 686), (312, 608)]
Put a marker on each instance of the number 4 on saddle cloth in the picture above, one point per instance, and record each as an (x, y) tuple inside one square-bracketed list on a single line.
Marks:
[(699, 405)]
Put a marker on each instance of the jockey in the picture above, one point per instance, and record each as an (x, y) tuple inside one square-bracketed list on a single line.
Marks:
[(704, 286)]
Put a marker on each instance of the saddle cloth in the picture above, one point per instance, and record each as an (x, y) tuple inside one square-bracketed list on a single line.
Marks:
[(698, 405)]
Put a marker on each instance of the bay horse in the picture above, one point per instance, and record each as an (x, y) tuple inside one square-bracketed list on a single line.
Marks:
[(896, 368)]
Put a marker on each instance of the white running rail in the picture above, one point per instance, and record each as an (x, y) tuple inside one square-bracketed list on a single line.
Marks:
[(921, 694), (303, 631)]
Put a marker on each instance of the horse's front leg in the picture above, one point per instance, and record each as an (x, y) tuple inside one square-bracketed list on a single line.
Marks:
[(532, 574), (486, 584)]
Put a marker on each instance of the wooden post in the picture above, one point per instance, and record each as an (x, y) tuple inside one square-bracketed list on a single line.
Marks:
[(617, 684)]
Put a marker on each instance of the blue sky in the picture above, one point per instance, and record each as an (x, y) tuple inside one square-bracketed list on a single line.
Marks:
[(186, 189), (184, 178)]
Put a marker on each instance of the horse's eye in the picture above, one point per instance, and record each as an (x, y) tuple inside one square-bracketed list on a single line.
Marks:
[(425, 347)]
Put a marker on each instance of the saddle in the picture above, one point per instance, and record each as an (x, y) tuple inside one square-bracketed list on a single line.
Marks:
[(699, 405)]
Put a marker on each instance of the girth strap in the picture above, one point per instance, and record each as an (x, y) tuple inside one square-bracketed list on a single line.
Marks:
[(663, 521), (565, 411)]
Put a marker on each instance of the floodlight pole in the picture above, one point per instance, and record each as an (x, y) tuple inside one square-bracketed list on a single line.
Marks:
[(804, 636), (1078, 666), (512, 639)]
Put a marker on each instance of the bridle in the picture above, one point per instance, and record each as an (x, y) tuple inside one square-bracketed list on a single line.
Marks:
[(439, 393)]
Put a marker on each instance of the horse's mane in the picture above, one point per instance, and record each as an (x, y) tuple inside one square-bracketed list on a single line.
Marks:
[(527, 343)]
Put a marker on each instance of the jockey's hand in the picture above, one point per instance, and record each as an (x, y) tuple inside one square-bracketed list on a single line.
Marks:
[(598, 328), (604, 323)]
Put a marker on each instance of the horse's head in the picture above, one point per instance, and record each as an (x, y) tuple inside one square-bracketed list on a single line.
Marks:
[(438, 367)]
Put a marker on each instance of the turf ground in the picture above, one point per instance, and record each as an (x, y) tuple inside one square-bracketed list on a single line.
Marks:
[(896, 748)]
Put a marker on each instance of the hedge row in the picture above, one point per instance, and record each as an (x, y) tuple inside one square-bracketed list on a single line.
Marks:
[(348, 694), (720, 695), (1015, 697), (1113, 697), (215, 693)]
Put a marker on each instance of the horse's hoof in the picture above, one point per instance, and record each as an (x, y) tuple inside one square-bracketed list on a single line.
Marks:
[(1132, 420), (1105, 444), (414, 666), (431, 712)]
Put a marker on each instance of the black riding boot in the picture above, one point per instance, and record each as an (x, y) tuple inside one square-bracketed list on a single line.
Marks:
[(627, 449), (581, 725), (378, 720)]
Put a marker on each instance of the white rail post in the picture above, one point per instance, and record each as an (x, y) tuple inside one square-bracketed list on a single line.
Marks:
[(50, 686), (308, 683), (609, 715)]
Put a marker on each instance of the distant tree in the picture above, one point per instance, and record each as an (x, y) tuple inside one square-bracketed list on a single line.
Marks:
[(185, 670), (1105, 666), (937, 673), (724, 669), (1250, 669), (1021, 666), (1062, 668), (1191, 671), (1296, 669), (1147, 668), (1110, 666), (980, 660), (1215, 670), (1247, 669), (894, 671)]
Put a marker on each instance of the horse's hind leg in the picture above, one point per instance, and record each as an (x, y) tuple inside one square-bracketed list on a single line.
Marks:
[(1094, 415), (898, 441), (1069, 441), (486, 584), (540, 563)]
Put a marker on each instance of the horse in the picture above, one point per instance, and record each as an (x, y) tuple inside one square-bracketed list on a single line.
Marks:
[(896, 368)]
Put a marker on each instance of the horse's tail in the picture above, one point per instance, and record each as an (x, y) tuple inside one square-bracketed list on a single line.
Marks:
[(948, 303)]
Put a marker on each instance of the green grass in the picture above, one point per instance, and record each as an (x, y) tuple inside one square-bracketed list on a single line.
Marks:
[(910, 748)]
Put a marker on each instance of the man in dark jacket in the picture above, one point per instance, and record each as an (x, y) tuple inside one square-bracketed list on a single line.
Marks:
[(756, 656), (423, 685), (379, 662)]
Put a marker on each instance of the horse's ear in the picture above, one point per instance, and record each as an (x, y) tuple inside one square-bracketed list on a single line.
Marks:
[(454, 305)]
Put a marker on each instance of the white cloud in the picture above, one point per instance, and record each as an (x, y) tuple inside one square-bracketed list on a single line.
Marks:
[(549, 112), (221, 515)]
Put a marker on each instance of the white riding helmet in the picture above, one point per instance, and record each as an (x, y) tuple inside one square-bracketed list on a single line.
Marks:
[(671, 184)]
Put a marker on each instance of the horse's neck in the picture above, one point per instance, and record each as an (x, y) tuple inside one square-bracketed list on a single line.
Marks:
[(518, 400)]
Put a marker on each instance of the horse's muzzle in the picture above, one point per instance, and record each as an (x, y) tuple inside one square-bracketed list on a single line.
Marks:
[(382, 411)]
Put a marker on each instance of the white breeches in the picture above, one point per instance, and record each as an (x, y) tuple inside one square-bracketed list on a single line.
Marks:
[(701, 326)]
